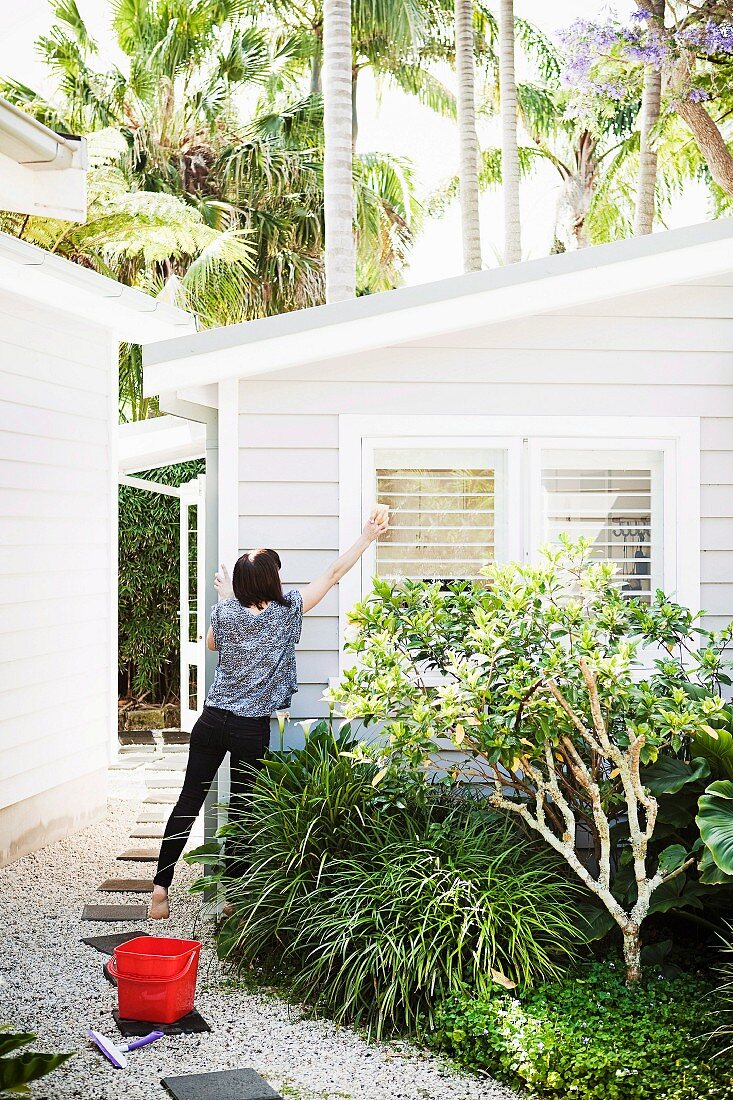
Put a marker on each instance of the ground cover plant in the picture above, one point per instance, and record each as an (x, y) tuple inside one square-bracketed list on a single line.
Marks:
[(578, 709), (592, 1037), (373, 901)]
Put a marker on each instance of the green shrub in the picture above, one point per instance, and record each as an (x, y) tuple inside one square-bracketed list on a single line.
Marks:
[(18, 1069), (591, 1037), (372, 902), (149, 583)]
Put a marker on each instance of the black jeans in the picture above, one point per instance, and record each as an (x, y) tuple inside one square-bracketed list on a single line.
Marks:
[(216, 733)]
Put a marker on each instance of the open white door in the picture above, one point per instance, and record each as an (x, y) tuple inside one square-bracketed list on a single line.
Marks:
[(193, 600)]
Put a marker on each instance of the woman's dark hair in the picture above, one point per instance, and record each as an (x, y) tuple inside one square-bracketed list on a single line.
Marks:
[(256, 578)]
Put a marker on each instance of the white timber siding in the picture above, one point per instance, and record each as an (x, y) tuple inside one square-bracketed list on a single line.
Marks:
[(666, 353), (58, 620)]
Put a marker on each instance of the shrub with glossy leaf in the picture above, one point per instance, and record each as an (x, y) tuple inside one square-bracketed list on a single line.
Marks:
[(19, 1067), (591, 1037), (372, 901)]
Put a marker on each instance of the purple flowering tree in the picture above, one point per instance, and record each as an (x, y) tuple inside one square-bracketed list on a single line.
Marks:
[(681, 68)]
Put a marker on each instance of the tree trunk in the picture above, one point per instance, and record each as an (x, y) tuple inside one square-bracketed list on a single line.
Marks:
[(576, 195), (509, 150), (710, 143), (650, 101), (338, 184), (467, 138), (632, 953)]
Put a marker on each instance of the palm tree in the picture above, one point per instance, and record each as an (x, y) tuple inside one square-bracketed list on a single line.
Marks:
[(650, 104), (467, 137), (509, 152), (178, 110), (338, 189), (597, 167)]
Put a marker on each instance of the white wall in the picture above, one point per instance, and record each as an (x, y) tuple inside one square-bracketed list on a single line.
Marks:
[(668, 353), (58, 616)]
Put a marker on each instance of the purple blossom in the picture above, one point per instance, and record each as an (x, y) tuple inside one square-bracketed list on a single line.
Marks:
[(709, 37), (698, 95), (641, 15)]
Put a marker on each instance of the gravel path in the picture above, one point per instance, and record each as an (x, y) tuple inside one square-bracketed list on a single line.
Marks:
[(52, 984)]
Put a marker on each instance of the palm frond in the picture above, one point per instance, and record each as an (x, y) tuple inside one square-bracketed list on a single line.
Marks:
[(489, 176), (419, 82)]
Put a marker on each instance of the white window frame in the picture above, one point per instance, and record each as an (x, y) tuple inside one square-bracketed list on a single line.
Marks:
[(523, 438)]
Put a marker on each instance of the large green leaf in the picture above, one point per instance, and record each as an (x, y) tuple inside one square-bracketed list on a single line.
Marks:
[(710, 873), (672, 858), (715, 822), (19, 1069), (718, 749), (668, 775)]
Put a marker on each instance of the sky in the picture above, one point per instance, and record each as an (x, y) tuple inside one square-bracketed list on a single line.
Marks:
[(392, 122)]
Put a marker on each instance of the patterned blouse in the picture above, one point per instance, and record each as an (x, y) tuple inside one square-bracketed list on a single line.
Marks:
[(256, 674)]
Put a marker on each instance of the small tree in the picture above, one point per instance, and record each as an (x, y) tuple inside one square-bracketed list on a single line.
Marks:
[(558, 688)]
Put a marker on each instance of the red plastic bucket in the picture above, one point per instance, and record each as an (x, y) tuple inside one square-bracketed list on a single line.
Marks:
[(153, 956), (163, 987)]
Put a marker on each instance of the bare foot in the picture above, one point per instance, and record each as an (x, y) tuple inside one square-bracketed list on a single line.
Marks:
[(159, 907)]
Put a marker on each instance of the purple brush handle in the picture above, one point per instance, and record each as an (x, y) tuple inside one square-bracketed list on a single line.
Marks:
[(145, 1040)]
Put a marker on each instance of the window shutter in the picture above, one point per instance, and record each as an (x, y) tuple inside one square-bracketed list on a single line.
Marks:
[(442, 516), (613, 499)]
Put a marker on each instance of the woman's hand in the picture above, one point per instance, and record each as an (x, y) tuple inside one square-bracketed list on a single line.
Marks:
[(378, 523), (223, 583)]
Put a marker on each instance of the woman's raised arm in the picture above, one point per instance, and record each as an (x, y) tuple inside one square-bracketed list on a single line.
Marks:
[(375, 526)]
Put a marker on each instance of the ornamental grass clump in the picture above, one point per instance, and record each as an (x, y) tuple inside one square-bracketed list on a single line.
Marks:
[(559, 690), (373, 901)]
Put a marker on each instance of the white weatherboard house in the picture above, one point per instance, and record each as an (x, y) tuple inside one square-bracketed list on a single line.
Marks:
[(590, 392), (60, 326)]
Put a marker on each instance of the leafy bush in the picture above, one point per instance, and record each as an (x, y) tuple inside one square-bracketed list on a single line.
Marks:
[(591, 1037), (543, 682), (18, 1069), (149, 584), (373, 901)]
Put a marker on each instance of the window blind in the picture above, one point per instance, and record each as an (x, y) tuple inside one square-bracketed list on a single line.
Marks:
[(611, 501), (442, 518)]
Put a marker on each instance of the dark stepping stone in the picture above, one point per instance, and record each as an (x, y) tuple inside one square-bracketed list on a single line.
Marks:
[(147, 832), (115, 912), (162, 798), (176, 737), (136, 737), (110, 978), (127, 886), (188, 1025), (225, 1084), (107, 944), (140, 855)]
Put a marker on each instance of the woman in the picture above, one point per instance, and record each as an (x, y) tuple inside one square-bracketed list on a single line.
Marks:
[(254, 627)]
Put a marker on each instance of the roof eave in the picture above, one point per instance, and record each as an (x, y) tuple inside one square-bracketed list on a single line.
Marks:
[(416, 313)]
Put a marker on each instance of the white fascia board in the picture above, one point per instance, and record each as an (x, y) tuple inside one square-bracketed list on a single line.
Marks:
[(41, 172), (49, 280), (435, 309), (50, 193), (161, 441)]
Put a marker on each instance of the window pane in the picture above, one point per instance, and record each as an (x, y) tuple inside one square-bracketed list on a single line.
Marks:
[(442, 516), (610, 499)]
